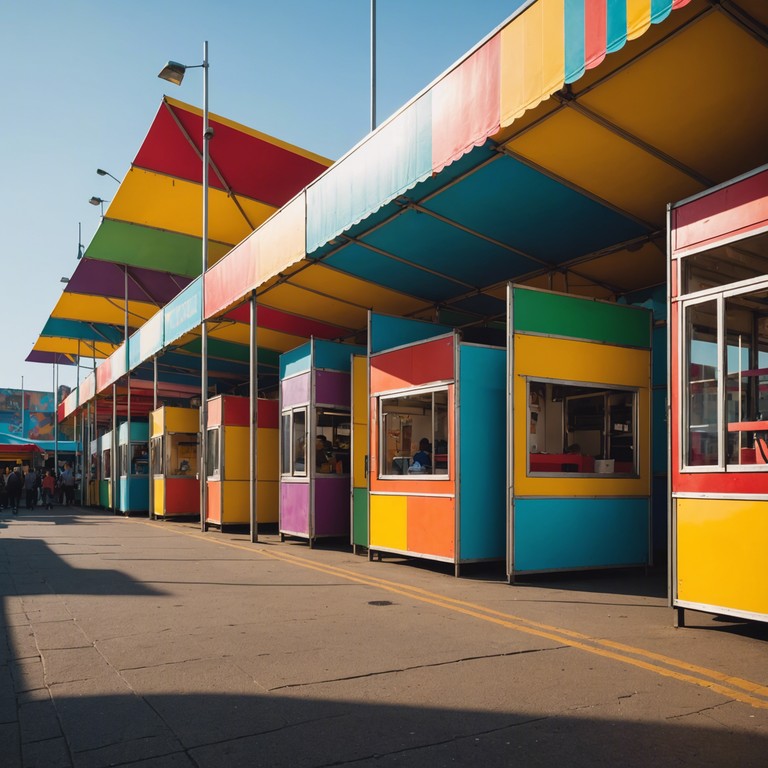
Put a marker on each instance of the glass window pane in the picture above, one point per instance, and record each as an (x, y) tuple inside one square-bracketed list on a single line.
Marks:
[(139, 459), (576, 428), (702, 376), (106, 460), (414, 434), (182, 454), (299, 442), (332, 441), (157, 455), (286, 438), (746, 379), (213, 454)]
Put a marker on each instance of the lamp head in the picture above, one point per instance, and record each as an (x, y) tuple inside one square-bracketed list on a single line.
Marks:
[(95, 200), (101, 172), (173, 72)]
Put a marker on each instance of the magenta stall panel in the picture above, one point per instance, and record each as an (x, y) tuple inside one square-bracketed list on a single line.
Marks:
[(295, 391), (332, 388), (294, 508), (332, 506)]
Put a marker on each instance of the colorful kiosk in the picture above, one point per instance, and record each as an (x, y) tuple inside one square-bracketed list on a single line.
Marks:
[(228, 464), (315, 436), (718, 304), (437, 444), (133, 450), (94, 475), (173, 447), (579, 433)]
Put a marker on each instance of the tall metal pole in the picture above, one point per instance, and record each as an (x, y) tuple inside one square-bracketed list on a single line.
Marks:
[(204, 329), (254, 421), (55, 422), (373, 65), (22, 408)]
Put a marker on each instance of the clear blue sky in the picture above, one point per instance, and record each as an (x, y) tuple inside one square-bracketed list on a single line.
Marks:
[(80, 89)]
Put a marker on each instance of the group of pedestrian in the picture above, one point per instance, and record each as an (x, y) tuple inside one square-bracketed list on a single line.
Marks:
[(16, 486)]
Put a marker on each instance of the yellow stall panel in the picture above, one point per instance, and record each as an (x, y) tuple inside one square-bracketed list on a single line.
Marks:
[(722, 554), (267, 456), (158, 497), (235, 505), (237, 458), (389, 522), (360, 419)]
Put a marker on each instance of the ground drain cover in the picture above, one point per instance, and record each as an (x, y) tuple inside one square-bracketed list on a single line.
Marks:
[(380, 602)]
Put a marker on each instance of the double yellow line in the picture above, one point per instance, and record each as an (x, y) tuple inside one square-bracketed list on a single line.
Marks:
[(731, 687)]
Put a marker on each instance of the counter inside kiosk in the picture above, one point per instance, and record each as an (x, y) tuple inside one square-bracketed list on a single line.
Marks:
[(133, 452), (315, 437), (579, 435), (437, 443), (174, 461), (718, 307), (228, 464)]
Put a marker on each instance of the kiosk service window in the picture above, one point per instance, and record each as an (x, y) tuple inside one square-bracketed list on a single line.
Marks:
[(581, 428), (725, 359), (413, 434)]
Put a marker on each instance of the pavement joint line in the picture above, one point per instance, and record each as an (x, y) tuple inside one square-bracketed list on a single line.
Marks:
[(725, 685), (414, 667)]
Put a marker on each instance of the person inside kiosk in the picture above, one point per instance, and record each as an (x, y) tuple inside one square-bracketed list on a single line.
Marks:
[(581, 428)]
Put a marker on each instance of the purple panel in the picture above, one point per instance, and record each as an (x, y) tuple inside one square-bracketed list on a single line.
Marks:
[(332, 506), (295, 391), (333, 388), (49, 357), (105, 278), (294, 508)]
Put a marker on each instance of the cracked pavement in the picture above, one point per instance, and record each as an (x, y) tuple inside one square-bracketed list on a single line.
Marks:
[(129, 643)]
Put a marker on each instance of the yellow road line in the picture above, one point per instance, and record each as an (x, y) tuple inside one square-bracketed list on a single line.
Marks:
[(719, 682)]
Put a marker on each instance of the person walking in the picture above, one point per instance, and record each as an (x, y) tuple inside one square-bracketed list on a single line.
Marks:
[(13, 485), (49, 489), (3, 493), (68, 485), (30, 488)]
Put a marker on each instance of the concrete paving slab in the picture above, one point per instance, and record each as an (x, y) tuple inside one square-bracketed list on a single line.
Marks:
[(207, 650)]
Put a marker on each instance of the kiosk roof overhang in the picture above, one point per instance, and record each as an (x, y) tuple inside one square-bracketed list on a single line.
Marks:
[(546, 156)]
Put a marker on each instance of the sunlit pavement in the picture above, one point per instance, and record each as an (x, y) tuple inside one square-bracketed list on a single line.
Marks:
[(130, 642)]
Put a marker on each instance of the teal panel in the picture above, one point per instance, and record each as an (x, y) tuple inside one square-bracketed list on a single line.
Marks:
[(134, 350), (360, 517), (564, 534), (389, 162), (139, 432), (556, 314), (575, 47), (482, 458), (388, 332), (616, 24), (333, 356), (296, 361), (134, 494), (183, 313)]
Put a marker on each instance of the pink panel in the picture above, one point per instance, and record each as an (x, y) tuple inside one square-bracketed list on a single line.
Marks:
[(277, 243), (295, 391), (595, 32), (466, 105), (104, 375), (733, 211), (294, 508)]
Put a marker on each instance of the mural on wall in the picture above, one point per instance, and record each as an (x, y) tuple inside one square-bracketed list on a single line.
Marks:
[(39, 415)]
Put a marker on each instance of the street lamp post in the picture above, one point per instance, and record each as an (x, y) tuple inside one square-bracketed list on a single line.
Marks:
[(173, 72)]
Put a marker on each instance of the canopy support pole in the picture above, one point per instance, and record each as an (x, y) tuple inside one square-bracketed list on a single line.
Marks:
[(254, 420)]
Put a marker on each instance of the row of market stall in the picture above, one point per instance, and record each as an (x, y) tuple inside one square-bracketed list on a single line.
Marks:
[(428, 445), (469, 414)]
